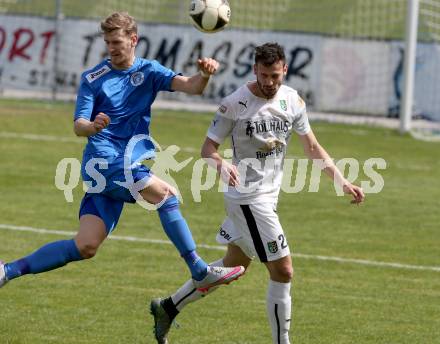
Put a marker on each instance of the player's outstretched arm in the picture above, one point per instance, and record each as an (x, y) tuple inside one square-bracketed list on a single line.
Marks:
[(196, 83), (84, 127), (316, 152)]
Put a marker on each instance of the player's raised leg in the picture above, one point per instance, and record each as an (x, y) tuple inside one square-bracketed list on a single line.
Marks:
[(165, 310), (58, 253), (175, 226), (278, 302)]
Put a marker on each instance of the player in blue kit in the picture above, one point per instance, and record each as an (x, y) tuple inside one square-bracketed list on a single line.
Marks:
[(113, 110)]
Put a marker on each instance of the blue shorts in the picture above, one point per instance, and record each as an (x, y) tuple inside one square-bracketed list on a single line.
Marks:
[(108, 203)]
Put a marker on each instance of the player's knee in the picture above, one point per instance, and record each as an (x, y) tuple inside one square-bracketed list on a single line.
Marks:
[(282, 274), (166, 193), (88, 250), (286, 273), (158, 194)]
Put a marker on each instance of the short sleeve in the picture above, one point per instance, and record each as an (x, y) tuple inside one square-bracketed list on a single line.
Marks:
[(163, 77), (84, 101), (222, 124), (301, 123)]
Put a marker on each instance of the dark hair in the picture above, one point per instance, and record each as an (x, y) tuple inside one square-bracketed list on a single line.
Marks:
[(269, 53), (117, 21)]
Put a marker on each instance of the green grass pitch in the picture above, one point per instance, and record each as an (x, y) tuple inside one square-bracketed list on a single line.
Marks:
[(105, 300)]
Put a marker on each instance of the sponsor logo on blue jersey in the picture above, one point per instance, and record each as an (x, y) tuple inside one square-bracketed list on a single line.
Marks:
[(97, 74)]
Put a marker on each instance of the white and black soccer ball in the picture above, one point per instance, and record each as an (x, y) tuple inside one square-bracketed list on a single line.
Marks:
[(210, 15)]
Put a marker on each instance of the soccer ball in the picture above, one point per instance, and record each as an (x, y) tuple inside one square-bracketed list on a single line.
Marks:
[(210, 15)]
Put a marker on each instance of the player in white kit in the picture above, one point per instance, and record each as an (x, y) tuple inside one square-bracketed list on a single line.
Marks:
[(260, 118)]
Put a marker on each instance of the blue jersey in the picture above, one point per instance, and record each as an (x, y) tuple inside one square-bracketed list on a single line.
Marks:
[(126, 97)]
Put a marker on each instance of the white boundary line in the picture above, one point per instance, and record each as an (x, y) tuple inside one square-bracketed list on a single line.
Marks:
[(50, 138), (36, 137), (222, 248)]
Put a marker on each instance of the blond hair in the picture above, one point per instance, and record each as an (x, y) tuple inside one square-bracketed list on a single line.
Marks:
[(119, 21)]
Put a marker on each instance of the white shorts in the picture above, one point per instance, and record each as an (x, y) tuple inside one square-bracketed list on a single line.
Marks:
[(256, 229)]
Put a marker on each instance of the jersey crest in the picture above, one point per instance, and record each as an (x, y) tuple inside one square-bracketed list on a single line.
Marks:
[(97, 74), (283, 104), (137, 78)]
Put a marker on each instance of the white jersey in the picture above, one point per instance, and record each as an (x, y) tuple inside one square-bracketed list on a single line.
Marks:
[(260, 130)]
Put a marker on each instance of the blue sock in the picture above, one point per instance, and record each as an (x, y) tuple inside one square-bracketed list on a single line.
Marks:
[(47, 257), (178, 231)]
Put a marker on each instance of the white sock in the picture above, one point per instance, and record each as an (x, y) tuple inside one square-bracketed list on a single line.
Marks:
[(279, 305), (188, 293)]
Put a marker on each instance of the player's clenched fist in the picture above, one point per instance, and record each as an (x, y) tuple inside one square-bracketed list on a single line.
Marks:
[(101, 121), (208, 66)]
